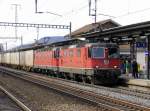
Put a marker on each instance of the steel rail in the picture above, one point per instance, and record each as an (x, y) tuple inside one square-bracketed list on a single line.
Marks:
[(122, 90), (19, 103), (122, 103)]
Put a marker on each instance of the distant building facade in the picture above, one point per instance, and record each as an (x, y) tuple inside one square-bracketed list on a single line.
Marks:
[(99, 26)]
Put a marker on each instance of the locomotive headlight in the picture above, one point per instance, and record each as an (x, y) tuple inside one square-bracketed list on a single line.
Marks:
[(115, 66), (97, 67)]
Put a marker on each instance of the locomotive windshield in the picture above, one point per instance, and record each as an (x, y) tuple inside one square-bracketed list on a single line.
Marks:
[(98, 52), (113, 52)]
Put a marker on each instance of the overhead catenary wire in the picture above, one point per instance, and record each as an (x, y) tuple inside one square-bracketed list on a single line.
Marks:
[(41, 12), (73, 11), (130, 13), (124, 15)]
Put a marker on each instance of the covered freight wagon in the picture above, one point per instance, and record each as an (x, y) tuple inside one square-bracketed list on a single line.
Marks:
[(3, 59), (14, 59), (7, 58), (28, 59), (22, 58)]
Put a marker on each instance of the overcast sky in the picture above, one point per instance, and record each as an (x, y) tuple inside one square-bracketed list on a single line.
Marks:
[(76, 11)]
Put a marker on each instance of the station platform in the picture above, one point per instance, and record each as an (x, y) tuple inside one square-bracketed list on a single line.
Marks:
[(138, 82)]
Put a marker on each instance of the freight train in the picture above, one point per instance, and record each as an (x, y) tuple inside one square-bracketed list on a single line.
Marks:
[(96, 63)]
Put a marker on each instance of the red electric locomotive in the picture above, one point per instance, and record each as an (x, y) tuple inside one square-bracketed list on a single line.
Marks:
[(86, 62)]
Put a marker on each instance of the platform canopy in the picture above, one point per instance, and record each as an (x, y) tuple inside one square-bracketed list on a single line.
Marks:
[(121, 33)]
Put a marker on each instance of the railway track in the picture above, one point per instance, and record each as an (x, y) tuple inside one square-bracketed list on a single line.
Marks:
[(39, 98), (119, 89), (123, 90), (20, 105), (102, 101)]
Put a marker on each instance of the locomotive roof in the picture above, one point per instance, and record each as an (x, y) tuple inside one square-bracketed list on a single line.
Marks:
[(101, 44), (66, 44), (76, 43)]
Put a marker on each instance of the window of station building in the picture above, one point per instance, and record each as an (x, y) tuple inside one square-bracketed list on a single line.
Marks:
[(78, 52)]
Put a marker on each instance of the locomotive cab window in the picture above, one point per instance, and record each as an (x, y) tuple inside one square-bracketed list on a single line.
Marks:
[(113, 52), (98, 52)]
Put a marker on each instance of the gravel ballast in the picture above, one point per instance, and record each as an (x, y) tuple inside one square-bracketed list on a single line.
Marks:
[(42, 99)]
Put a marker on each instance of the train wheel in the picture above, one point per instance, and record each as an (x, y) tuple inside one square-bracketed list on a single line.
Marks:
[(83, 78), (67, 76), (76, 77), (73, 77), (92, 80)]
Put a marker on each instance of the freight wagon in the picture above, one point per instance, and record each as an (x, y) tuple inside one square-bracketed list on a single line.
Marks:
[(26, 59)]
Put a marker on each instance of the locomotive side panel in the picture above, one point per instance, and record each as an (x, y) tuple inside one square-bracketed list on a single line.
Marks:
[(43, 59), (72, 60), (65, 62), (38, 58), (46, 58)]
